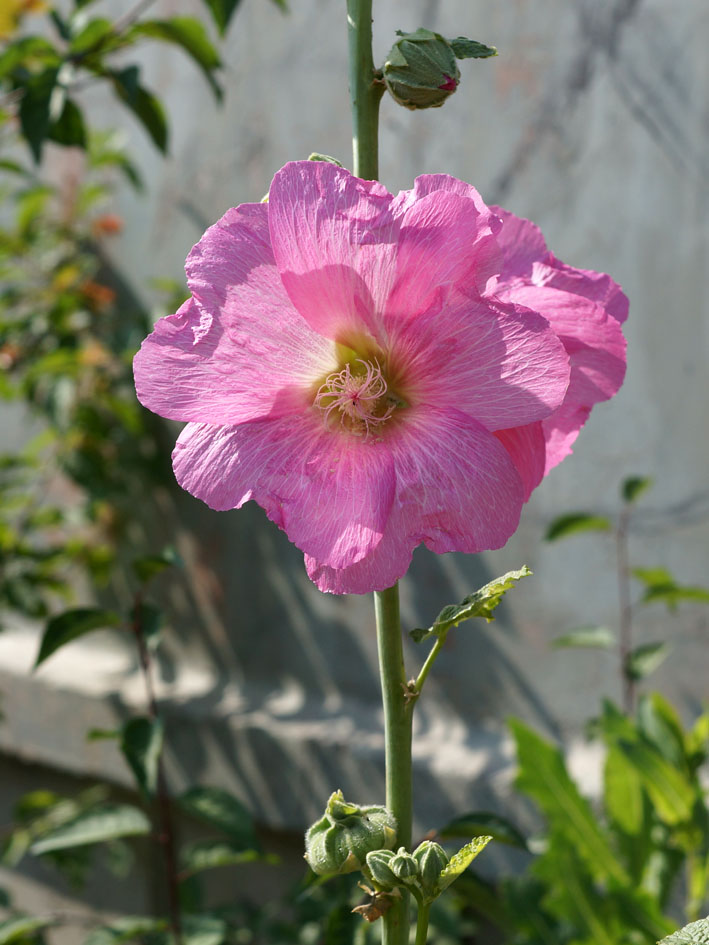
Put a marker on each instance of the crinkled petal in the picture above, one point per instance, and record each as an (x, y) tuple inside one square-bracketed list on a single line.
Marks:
[(446, 239), (527, 449), (334, 241), (331, 493), (379, 570), (560, 432), (456, 485), (500, 363)]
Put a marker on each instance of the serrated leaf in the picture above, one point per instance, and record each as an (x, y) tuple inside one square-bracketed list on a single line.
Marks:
[(645, 659), (543, 776), (483, 823), (459, 862), (210, 854), (222, 810), (470, 49), (589, 637), (141, 744), (144, 105), (188, 33), (95, 826), (633, 487), (19, 927), (481, 603), (222, 11), (71, 625), (696, 933), (575, 523)]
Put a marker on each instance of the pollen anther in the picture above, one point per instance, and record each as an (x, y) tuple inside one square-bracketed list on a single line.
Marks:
[(360, 398)]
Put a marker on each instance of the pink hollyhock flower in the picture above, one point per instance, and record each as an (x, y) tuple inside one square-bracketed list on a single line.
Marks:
[(374, 370)]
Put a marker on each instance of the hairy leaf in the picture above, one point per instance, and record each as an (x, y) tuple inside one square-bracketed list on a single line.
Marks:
[(696, 933), (481, 603), (459, 862), (574, 523), (470, 49), (72, 624), (95, 826)]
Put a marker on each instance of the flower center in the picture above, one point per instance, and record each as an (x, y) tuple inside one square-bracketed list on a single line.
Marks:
[(356, 397)]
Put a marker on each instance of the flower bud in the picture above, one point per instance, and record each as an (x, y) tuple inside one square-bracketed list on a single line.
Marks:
[(340, 841), (421, 69), (378, 863), (404, 866), (432, 859)]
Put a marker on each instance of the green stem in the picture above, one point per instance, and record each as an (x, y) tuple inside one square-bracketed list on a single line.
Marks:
[(430, 660), (365, 91), (422, 924), (398, 711)]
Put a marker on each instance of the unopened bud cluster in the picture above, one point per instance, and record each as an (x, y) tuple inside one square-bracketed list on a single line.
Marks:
[(340, 841), (420, 870)]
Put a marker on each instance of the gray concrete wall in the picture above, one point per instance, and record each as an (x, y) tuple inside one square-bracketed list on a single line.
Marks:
[(594, 122)]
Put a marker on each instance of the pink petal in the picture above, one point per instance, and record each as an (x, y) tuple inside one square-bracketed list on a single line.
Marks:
[(500, 363), (329, 491), (527, 450), (560, 432), (521, 243), (333, 239), (447, 239)]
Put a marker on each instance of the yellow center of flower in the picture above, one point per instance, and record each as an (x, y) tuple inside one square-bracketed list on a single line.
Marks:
[(357, 398)]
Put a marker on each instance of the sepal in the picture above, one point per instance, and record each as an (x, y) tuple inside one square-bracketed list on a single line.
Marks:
[(340, 841)]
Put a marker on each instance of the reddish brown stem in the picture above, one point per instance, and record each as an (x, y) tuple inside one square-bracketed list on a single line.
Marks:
[(625, 639)]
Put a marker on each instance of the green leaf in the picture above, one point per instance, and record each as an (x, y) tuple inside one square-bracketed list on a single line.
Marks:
[(622, 792), (222, 12), (646, 659), (589, 637), (222, 810), (141, 744), (660, 586), (125, 929), (35, 109), (696, 933), (661, 725), (210, 854), (91, 37), (482, 823), (95, 826), (470, 49), (148, 620), (574, 523), (481, 603), (149, 566), (19, 927), (459, 862), (543, 776), (69, 129), (317, 156), (633, 487), (72, 624), (190, 34), (143, 104), (203, 930)]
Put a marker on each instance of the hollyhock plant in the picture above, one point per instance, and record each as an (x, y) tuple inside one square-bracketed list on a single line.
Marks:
[(379, 371)]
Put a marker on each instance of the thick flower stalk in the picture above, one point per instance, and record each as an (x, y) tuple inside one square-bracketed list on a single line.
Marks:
[(379, 371)]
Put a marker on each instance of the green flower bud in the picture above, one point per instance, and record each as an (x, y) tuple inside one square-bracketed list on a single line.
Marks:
[(378, 863), (340, 841), (421, 69), (404, 866), (432, 859)]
